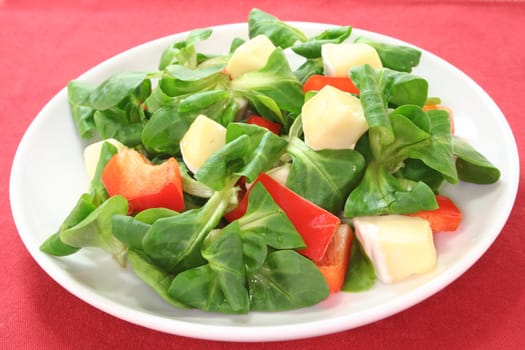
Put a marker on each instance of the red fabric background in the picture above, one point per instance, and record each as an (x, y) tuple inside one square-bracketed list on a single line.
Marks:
[(44, 44)]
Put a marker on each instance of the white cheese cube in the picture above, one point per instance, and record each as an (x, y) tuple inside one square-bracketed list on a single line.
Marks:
[(201, 140), (333, 119), (250, 56), (92, 155), (338, 59), (398, 245)]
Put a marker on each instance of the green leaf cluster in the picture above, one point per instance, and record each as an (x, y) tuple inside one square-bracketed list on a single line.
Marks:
[(153, 110), (195, 259), (89, 222), (406, 132), (191, 261)]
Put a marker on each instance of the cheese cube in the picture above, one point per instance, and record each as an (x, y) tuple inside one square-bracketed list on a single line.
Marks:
[(338, 59), (398, 245), (333, 119), (92, 155), (201, 140), (250, 56)]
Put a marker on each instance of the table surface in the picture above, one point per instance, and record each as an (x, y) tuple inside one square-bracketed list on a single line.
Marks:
[(44, 44)]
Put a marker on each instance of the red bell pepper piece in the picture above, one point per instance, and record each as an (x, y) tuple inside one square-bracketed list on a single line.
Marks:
[(143, 184), (444, 219), (314, 224), (265, 123), (335, 261), (317, 82)]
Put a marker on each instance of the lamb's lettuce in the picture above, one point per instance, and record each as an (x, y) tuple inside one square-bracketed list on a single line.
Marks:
[(401, 58), (180, 80), (114, 123), (96, 186), (153, 276), (174, 242), (405, 133), (382, 193), (219, 105), (224, 163), (82, 113), (234, 265), (324, 177), (95, 229), (375, 107), (249, 150), (116, 88), (280, 33), (167, 125), (274, 81), (310, 67), (473, 166), (311, 48), (53, 245), (70, 236), (219, 285), (113, 109), (184, 52), (149, 216), (159, 99), (402, 88), (437, 151), (268, 221), (129, 230), (165, 129), (416, 170), (361, 274), (287, 280), (263, 152)]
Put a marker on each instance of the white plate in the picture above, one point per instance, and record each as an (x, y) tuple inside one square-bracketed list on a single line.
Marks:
[(48, 176)]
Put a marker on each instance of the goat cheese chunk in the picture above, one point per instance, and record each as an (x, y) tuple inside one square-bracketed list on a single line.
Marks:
[(201, 140), (250, 56), (338, 59), (333, 119), (398, 246)]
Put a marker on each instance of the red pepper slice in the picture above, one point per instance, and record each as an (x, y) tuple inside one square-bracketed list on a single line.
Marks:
[(314, 224), (446, 218), (317, 82), (143, 184), (334, 263), (265, 123)]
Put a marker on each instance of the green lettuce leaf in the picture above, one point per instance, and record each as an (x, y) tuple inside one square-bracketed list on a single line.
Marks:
[(281, 34)]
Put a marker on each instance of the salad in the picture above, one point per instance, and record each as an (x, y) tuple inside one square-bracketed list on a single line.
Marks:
[(234, 183)]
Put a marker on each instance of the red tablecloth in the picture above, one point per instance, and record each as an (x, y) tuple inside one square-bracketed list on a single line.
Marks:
[(44, 44)]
